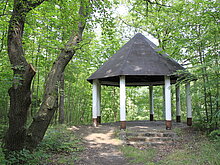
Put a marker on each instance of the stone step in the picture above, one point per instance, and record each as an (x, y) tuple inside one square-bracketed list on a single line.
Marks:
[(149, 144), (151, 134), (150, 139)]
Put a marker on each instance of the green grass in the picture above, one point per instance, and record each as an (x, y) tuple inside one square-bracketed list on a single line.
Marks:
[(2, 158), (60, 146), (178, 131), (139, 156), (202, 153)]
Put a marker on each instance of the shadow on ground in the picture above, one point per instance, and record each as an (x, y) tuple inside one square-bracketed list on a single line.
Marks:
[(102, 144)]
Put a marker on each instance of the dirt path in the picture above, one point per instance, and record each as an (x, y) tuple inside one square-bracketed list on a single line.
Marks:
[(102, 147)]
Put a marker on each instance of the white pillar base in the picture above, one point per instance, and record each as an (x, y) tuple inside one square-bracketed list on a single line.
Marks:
[(178, 119), (151, 117), (99, 119), (189, 121), (168, 124), (123, 125), (94, 122)]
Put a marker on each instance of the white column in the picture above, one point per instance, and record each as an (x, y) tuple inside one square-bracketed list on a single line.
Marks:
[(122, 102), (188, 104), (167, 102), (164, 109), (151, 103), (94, 101), (178, 107), (98, 103)]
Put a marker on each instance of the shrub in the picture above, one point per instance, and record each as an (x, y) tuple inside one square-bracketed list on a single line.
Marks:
[(215, 135), (59, 139), (58, 145), (24, 157)]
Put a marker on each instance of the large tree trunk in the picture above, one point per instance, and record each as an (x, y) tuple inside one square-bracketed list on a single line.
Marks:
[(20, 92), (49, 105), (17, 137)]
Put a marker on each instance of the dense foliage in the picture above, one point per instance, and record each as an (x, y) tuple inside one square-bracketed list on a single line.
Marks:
[(189, 32)]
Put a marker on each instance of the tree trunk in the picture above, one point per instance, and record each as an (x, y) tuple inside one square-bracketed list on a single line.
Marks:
[(61, 103), (49, 105), (20, 92), (69, 115), (17, 137)]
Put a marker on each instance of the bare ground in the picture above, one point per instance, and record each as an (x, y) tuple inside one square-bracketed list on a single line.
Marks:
[(102, 144)]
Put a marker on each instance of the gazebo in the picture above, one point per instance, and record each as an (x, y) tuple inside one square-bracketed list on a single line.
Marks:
[(140, 63)]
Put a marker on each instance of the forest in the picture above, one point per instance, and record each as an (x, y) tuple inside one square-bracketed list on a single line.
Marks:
[(49, 48)]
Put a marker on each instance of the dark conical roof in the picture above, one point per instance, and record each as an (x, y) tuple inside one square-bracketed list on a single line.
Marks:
[(141, 63)]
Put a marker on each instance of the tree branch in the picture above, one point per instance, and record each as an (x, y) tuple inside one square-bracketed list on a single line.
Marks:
[(156, 3), (31, 4)]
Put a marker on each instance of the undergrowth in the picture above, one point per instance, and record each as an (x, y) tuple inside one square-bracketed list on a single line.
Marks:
[(202, 150), (60, 146)]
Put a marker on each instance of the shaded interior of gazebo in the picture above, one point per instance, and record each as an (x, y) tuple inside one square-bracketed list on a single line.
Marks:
[(137, 80), (140, 63)]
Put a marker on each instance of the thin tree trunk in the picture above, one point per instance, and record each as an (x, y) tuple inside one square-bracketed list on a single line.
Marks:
[(217, 85), (115, 111), (204, 83), (208, 89), (205, 95), (68, 118), (204, 75), (61, 102)]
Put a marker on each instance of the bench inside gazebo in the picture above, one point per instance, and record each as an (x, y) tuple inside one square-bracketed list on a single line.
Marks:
[(139, 63)]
